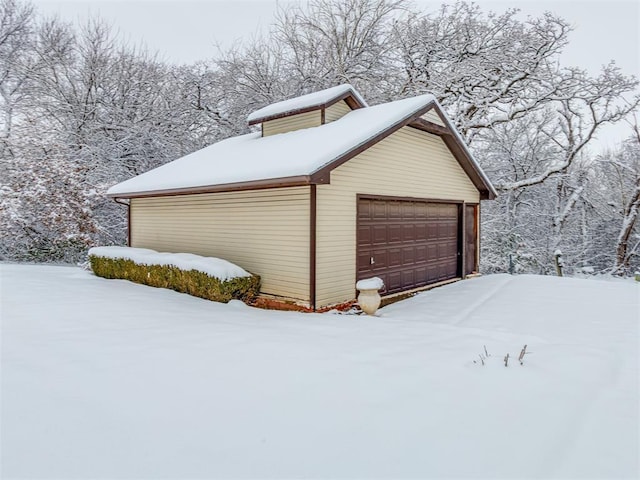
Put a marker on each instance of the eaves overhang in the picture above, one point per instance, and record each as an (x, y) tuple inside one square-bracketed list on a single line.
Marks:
[(295, 181)]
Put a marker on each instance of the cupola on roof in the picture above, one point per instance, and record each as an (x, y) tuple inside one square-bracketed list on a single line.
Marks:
[(308, 103)]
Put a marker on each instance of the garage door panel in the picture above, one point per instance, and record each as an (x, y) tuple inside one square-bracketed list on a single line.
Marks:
[(393, 282), (409, 233), (364, 261), (408, 210), (364, 209), (408, 277), (432, 230), (452, 270), (364, 235), (413, 243), (420, 210), (442, 230), (395, 233), (447, 210), (394, 210), (379, 234), (379, 210), (447, 270), (408, 256), (380, 259), (396, 257), (447, 249), (432, 273)]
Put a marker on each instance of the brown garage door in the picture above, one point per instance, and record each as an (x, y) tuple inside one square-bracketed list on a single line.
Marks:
[(407, 243)]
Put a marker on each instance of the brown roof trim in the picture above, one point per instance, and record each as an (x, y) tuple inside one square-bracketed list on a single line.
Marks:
[(296, 181), (351, 101), (429, 127), (347, 96)]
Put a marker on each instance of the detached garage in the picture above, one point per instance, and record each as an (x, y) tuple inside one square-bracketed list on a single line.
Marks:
[(328, 192)]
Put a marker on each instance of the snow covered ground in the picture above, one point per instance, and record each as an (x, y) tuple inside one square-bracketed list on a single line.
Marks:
[(108, 379)]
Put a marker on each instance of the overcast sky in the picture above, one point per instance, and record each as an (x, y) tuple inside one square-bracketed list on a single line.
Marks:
[(187, 30), (184, 31)]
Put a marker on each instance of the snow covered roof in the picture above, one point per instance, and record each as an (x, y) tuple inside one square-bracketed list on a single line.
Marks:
[(306, 103), (300, 157)]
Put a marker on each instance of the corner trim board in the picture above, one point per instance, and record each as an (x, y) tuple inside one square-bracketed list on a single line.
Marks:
[(463, 240), (128, 205), (312, 245), (479, 237)]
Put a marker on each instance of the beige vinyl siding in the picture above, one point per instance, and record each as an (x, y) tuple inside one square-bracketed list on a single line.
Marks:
[(408, 163), (291, 123), (336, 111), (432, 116), (264, 231)]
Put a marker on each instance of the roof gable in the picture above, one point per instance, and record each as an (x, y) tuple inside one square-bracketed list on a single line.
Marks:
[(301, 157), (308, 103)]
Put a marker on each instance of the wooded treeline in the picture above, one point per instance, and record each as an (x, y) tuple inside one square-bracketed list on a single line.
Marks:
[(81, 110)]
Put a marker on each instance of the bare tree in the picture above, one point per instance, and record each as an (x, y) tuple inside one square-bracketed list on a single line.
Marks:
[(486, 69), (342, 41), (624, 168), (16, 36), (588, 105)]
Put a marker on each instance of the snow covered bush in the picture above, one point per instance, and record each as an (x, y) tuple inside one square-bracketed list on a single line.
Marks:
[(166, 275)]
